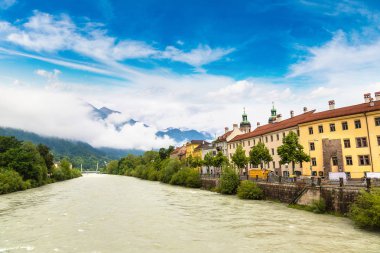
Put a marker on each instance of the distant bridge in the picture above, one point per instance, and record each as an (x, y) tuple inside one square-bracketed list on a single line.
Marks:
[(90, 172)]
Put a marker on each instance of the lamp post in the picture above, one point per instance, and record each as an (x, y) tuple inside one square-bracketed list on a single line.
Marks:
[(311, 165)]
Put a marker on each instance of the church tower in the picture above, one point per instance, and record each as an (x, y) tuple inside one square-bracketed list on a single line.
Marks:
[(245, 125), (273, 116)]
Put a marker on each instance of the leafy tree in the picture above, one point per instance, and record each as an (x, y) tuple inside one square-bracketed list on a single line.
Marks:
[(195, 162), (208, 160), (113, 167), (259, 154), (291, 151), (239, 158), (165, 153), (47, 156), (219, 160), (27, 161), (11, 181), (7, 143)]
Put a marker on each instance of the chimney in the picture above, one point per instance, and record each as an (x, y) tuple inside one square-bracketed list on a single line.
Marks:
[(225, 129), (235, 126), (332, 104), (367, 97), (371, 102), (377, 96), (305, 109), (291, 113), (258, 124), (279, 117)]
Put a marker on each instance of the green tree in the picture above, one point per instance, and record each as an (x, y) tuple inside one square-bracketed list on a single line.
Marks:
[(219, 160), (208, 160), (259, 154), (165, 153), (291, 151), (112, 167), (47, 156), (7, 143), (239, 158), (27, 161)]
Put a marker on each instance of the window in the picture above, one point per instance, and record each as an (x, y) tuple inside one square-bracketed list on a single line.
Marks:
[(311, 130), (377, 121), (361, 142), (332, 127), (320, 129), (298, 132), (272, 151), (278, 137), (320, 173), (271, 138), (334, 161), (378, 140), (283, 135), (313, 161), (358, 124), (364, 160), (254, 142), (266, 138), (243, 143), (312, 146), (314, 173), (274, 165), (347, 143), (249, 143), (344, 125), (348, 160)]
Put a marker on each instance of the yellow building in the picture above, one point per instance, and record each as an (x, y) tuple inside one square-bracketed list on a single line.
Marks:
[(191, 148), (345, 139)]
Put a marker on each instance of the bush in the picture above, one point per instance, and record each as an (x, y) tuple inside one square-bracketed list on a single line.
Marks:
[(11, 181), (169, 169), (249, 190), (365, 211), (152, 174), (193, 179), (229, 182), (318, 206)]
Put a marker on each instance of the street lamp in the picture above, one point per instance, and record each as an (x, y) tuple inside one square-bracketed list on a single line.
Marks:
[(311, 165)]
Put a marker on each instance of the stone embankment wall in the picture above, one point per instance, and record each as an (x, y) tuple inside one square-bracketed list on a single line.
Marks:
[(337, 199)]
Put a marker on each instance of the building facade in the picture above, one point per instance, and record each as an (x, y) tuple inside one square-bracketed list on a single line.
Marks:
[(346, 139)]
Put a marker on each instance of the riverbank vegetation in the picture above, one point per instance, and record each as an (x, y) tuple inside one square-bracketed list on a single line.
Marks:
[(365, 212), (24, 165)]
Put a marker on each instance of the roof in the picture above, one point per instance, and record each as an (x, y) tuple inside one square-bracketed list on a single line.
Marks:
[(198, 141), (224, 136), (206, 145), (343, 111), (276, 126)]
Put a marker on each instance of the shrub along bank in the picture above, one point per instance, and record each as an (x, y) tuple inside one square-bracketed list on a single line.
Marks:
[(24, 165)]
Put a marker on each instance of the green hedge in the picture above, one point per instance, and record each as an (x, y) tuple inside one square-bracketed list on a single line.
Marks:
[(365, 211), (249, 190)]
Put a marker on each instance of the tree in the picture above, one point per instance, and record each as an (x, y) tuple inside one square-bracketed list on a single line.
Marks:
[(165, 153), (27, 161), (7, 143), (229, 181), (47, 156), (291, 151), (113, 167), (219, 160), (239, 158), (259, 154), (208, 160)]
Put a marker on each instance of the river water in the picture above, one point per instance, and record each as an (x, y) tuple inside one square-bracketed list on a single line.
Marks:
[(104, 213)]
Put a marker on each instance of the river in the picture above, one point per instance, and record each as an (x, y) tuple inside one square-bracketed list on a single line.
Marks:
[(104, 213)]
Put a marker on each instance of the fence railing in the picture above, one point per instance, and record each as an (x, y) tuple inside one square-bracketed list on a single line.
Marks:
[(307, 181)]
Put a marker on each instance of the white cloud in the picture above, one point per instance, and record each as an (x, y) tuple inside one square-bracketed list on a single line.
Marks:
[(44, 32), (52, 77), (54, 113), (5, 4), (196, 57)]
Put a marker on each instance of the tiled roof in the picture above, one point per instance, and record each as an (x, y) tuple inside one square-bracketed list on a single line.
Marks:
[(198, 141), (272, 127), (224, 136), (343, 111)]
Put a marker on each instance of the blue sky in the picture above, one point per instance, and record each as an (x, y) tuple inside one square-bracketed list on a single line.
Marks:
[(182, 63)]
